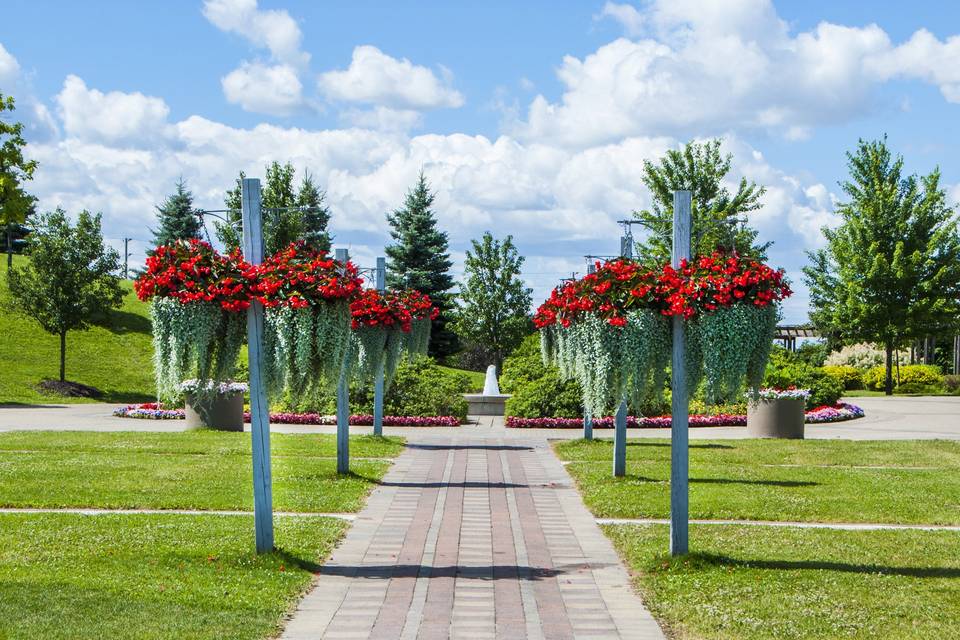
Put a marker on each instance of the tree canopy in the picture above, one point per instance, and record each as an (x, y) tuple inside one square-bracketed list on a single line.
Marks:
[(303, 214), (70, 277), (716, 213), (15, 203), (891, 270), (419, 258), (494, 303)]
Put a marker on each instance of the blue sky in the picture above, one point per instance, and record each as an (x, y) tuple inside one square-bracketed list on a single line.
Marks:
[(529, 118)]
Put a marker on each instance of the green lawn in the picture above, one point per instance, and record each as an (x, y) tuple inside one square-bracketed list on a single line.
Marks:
[(751, 583), (477, 378), (806, 480), (198, 470), (115, 356), (153, 576)]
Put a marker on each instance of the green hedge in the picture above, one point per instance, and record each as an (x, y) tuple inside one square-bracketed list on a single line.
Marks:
[(537, 389), (912, 378), (850, 377)]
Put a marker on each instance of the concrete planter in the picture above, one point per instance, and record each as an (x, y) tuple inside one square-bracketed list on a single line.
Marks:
[(777, 418), (219, 412)]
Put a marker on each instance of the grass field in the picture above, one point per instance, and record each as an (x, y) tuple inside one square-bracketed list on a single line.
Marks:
[(752, 583), (811, 480), (114, 356), (153, 576), (201, 470)]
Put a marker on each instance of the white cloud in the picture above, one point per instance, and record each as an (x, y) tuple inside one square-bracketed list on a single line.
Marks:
[(374, 77), (9, 67), (626, 14), (273, 29), (114, 117), (274, 90), (383, 118), (709, 67)]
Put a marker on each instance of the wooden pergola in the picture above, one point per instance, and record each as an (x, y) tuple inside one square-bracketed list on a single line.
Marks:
[(788, 334)]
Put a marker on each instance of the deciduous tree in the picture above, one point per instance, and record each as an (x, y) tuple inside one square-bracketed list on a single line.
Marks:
[(891, 271), (15, 203), (70, 277)]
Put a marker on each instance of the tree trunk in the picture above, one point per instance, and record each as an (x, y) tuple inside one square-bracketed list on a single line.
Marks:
[(63, 356), (888, 386)]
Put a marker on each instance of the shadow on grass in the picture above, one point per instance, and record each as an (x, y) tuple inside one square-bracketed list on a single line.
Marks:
[(701, 560), (767, 483), (120, 322), (692, 446)]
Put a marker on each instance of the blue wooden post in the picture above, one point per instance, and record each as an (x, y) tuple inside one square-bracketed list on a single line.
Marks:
[(343, 402), (679, 435), (587, 426), (259, 409), (620, 426), (381, 283), (620, 441)]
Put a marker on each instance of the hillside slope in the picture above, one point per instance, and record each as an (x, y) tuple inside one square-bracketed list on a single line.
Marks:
[(115, 356)]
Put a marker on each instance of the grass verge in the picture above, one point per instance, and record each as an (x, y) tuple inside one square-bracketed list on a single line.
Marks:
[(115, 355), (752, 583), (153, 576), (810, 480), (198, 470)]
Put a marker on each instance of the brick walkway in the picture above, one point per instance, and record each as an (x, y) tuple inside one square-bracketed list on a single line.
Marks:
[(473, 537)]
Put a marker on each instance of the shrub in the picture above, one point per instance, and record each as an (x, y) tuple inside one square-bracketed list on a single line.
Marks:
[(523, 366), (912, 375), (850, 377), (864, 356), (824, 389), (548, 396), (952, 384), (420, 388)]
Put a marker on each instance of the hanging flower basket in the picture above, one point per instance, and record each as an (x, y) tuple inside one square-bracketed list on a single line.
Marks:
[(197, 297), (307, 297), (386, 324), (611, 329)]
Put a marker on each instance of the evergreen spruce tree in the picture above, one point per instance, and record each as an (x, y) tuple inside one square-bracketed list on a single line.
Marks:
[(890, 273), (178, 219), (420, 259), (316, 215)]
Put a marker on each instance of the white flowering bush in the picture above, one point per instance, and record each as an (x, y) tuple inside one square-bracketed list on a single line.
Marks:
[(863, 356)]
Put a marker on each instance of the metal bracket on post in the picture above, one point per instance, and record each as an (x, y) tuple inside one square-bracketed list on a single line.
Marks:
[(259, 409), (343, 401), (680, 418), (381, 283)]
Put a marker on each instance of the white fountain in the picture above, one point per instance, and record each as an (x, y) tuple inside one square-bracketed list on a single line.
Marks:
[(491, 402)]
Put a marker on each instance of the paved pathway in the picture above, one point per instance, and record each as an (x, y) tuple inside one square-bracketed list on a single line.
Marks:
[(474, 537), (895, 418)]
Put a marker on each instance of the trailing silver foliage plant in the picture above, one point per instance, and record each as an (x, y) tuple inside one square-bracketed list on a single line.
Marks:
[(724, 347), (611, 363), (735, 342), (375, 347), (197, 340), (415, 342), (305, 349)]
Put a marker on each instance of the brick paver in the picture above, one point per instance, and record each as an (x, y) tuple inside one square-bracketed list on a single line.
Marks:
[(473, 536)]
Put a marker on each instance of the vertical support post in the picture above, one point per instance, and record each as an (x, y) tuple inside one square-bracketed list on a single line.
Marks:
[(259, 410), (680, 418), (381, 284), (587, 426), (343, 402), (126, 257), (620, 421)]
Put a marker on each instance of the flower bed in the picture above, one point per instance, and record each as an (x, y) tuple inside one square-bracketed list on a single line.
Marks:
[(837, 413), (154, 411)]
